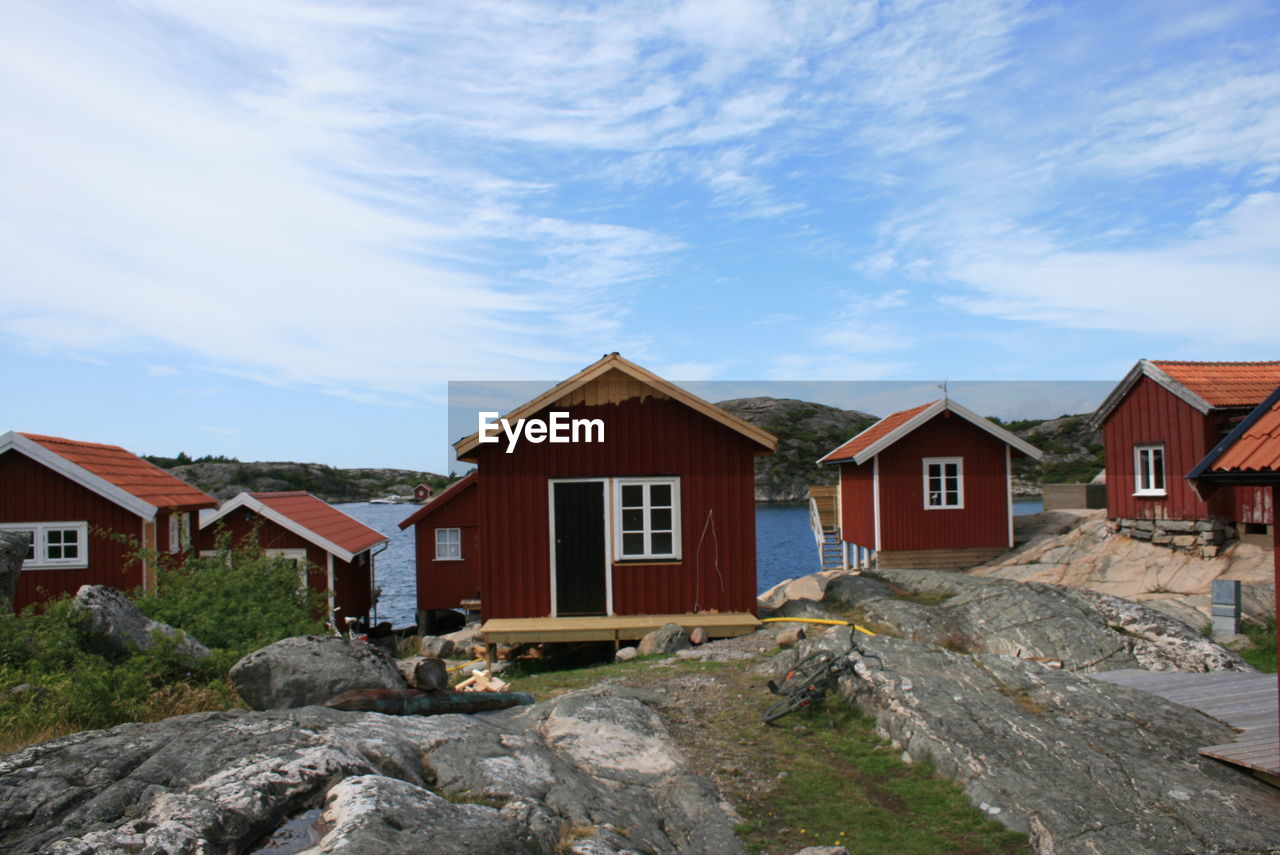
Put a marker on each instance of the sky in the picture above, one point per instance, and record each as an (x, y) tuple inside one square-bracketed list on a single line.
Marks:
[(278, 231)]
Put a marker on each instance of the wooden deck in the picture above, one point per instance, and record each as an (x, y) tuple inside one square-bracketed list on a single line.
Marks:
[(1245, 700), (615, 628)]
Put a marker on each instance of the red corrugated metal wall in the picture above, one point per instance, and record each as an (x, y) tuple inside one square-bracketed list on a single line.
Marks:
[(656, 437), (984, 519), (34, 493), (857, 504), (444, 584)]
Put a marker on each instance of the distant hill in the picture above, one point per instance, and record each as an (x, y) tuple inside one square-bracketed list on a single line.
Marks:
[(1072, 450), (805, 432), (224, 479)]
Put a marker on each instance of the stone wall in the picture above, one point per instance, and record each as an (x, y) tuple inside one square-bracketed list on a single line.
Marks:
[(1204, 537)]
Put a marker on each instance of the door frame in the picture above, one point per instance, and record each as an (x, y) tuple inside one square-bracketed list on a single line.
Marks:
[(606, 486)]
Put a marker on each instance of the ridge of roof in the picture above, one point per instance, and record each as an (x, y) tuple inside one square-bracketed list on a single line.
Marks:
[(613, 361), (895, 426)]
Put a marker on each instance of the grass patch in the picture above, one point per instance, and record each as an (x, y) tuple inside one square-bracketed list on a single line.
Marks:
[(924, 598), (820, 777), (1263, 653)]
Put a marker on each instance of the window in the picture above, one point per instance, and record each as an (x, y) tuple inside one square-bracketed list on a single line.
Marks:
[(448, 544), (648, 514), (1148, 466), (54, 545), (943, 482), (179, 531)]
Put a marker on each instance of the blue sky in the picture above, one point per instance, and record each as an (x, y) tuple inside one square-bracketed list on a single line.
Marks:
[(277, 230)]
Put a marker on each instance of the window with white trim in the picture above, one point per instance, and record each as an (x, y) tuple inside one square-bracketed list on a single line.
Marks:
[(1148, 469), (647, 511), (60, 545), (943, 482), (179, 531), (448, 544)]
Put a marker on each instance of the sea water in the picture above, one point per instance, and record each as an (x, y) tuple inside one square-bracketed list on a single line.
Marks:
[(785, 549)]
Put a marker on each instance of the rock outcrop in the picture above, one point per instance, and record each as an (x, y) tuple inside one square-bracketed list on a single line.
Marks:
[(663, 641), (1081, 765), (311, 669), (1079, 549), (591, 771), (13, 550), (114, 626)]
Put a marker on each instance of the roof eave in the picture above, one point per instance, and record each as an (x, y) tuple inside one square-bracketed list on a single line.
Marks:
[(13, 440), (244, 500), (1146, 367), (1201, 471)]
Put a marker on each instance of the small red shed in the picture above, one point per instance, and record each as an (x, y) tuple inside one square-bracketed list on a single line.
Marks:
[(447, 549), (1157, 424), (336, 548), (929, 487), (649, 509), (1249, 457), (70, 497)]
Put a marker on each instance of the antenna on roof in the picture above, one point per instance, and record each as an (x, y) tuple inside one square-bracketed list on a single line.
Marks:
[(946, 403)]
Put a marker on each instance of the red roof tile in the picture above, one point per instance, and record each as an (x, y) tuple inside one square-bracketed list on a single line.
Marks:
[(869, 436), (1225, 384), (127, 471), (1255, 450), (324, 519)]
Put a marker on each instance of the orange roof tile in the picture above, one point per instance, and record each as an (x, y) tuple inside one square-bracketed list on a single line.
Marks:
[(1225, 384), (317, 515), (1257, 449), (869, 436), (127, 471)]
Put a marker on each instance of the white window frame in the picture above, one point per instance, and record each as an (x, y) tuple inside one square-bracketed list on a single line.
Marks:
[(40, 544), (179, 531), (928, 462), (452, 538), (619, 528), (1145, 470)]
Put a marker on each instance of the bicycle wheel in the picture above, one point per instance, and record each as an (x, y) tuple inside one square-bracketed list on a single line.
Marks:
[(810, 670), (796, 700)]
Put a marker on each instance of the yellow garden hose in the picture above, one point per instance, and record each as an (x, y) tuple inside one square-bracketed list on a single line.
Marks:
[(860, 629)]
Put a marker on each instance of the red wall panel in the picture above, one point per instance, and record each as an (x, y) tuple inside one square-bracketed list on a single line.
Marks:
[(984, 519), (655, 437), (445, 584), (34, 493), (857, 504)]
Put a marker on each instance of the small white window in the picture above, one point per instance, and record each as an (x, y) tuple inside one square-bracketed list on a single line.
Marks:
[(1148, 469), (943, 482), (62, 545), (648, 514), (448, 544), (179, 531)]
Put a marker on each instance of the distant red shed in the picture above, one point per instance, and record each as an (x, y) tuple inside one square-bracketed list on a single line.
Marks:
[(928, 487), (1157, 424), (447, 548), (336, 548), (658, 518), (70, 496)]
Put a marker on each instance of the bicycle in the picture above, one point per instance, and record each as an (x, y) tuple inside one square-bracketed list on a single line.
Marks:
[(808, 682)]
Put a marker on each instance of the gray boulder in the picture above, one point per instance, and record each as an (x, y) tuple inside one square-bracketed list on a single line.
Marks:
[(115, 627), (436, 647), (13, 551), (311, 669), (591, 769), (663, 641), (1081, 765)]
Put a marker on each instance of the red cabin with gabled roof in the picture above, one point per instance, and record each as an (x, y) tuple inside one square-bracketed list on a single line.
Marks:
[(928, 487), (656, 518), (447, 548), (1162, 420), (336, 549), (79, 502)]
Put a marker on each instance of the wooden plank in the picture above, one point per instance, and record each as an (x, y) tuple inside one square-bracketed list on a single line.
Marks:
[(613, 627)]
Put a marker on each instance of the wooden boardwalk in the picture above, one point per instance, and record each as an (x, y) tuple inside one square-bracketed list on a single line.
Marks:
[(1244, 700), (615, 628)]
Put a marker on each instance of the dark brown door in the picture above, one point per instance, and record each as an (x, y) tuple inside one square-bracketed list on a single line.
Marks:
[(580, 548)]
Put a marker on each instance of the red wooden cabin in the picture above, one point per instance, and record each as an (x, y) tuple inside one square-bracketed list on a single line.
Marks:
[(1248, 457), (928, 487), (336, 549), (70, 497), (447, 549), (1157, 424), (656, 519)]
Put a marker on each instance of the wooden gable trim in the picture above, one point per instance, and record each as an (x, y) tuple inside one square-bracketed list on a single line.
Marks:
[(244, 500), (936, 408), (611, 362), (1146, 368), (14, 441)]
